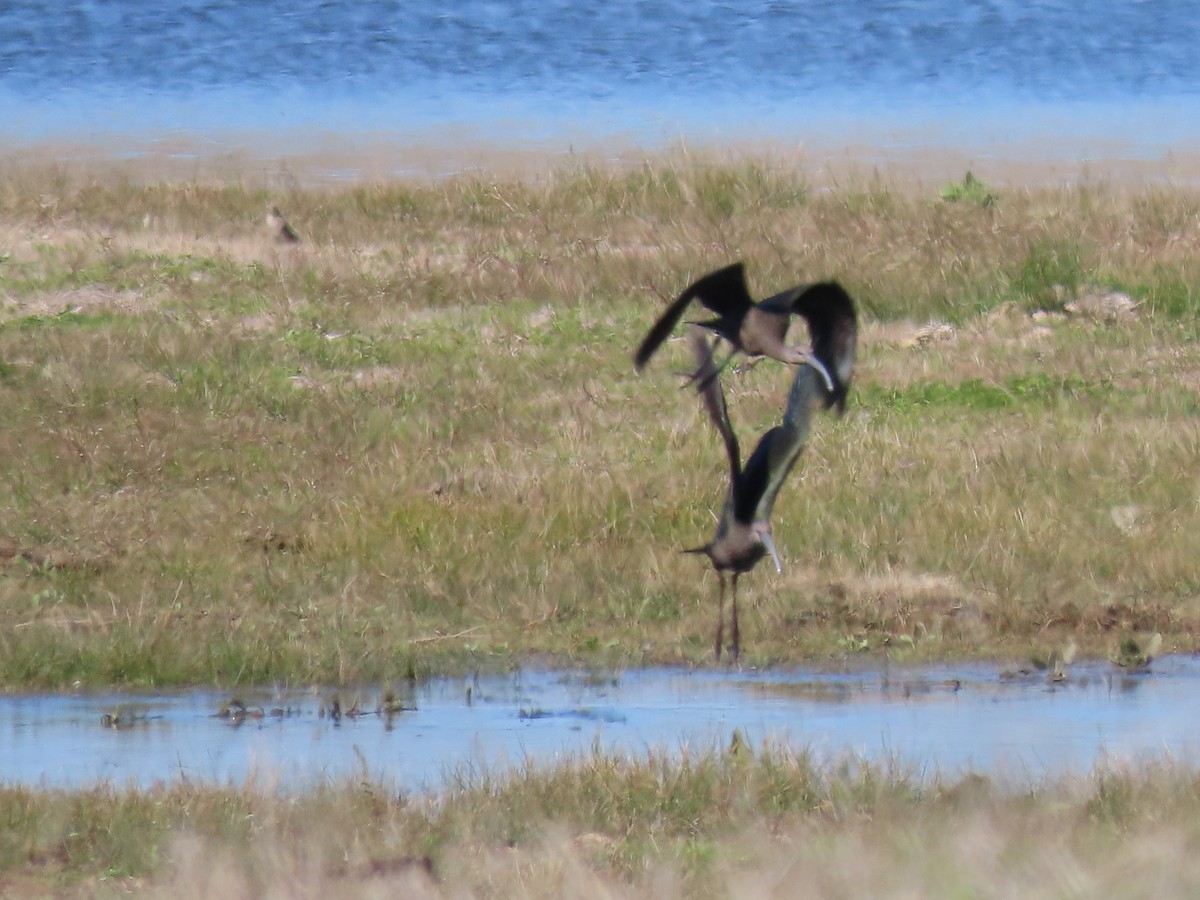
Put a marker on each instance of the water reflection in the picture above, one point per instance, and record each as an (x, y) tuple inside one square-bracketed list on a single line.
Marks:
[(945, 720)]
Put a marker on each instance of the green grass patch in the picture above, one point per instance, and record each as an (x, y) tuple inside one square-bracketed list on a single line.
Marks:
[(1050, 275), (977, 395), (970, 190), (65, 319)]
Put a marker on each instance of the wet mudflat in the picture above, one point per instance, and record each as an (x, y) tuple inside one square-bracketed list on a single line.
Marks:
[(1017, 727)]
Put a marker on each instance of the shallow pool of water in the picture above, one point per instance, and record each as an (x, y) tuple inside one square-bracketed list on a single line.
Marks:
[(939, 720)]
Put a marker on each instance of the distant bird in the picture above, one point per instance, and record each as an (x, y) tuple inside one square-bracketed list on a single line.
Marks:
[(760, 329), (744, 530), (281, 230)]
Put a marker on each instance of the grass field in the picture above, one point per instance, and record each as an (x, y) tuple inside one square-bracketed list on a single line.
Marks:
[(736, 822), (415, 443)]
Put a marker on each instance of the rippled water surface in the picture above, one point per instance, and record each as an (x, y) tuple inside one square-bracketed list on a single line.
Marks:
[(660, 69), (941, 720)]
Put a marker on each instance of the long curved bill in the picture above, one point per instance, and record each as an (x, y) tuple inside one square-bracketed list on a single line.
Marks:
[(769, 543), (821, 370)]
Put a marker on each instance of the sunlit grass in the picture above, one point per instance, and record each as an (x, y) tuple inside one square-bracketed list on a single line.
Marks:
[(416, 440), (739, 822)]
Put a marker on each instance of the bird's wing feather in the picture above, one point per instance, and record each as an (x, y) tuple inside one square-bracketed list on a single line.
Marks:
[(777, 451), (723, 291), (833, 327), (756, 478), (658, 332), (832, 323), (784, 301)]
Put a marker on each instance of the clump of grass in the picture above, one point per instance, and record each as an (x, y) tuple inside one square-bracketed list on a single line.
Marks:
[(1050, 275), (969, 190)]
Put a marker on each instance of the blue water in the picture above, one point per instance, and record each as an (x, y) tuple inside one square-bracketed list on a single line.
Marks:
[(935, 721), (548, 69)]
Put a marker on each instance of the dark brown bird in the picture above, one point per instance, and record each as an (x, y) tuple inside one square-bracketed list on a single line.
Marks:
[(280, 228), (744, 530), (760, 329)]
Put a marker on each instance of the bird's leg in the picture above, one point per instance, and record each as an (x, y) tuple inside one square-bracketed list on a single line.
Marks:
[(734, 634), (748, 365), (720, 616)]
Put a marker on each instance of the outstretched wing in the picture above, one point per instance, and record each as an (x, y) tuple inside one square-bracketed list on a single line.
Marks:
[(833, 327), (708, 384), (777, 451), (721, 291)]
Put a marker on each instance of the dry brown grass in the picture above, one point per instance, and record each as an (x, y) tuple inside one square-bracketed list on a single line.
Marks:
[(226, 459), (733, 823)]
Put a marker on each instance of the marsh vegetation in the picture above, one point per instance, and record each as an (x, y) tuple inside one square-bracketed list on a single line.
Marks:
[(735, 821), (414, 443)]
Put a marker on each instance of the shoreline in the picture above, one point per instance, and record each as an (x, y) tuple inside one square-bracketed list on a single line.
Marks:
[(924, 156)]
